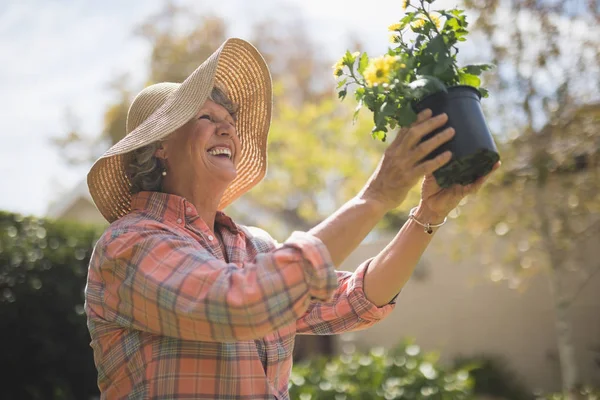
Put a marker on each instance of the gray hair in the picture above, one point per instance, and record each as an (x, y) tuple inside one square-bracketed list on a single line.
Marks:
[(145, 170)]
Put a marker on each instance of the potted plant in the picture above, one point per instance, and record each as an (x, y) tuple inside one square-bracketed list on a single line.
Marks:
[(420, 71)]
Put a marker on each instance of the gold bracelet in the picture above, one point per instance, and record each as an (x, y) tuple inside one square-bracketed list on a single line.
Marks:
[(428, 226)]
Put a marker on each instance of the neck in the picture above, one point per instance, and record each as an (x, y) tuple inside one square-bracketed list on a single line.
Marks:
[(204, 199), (207, 207)]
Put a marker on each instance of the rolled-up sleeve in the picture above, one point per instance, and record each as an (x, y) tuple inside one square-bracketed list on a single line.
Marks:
[(157, 282), (348, 310)]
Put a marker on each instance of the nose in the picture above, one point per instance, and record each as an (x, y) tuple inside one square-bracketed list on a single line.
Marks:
[(226, 129)]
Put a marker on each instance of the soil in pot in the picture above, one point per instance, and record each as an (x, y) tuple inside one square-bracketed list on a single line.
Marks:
[(474, 152)]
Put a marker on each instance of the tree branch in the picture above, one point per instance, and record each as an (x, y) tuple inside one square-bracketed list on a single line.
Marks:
[(590, 277)]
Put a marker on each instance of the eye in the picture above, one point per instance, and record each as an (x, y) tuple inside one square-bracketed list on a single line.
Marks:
[(205, 116)]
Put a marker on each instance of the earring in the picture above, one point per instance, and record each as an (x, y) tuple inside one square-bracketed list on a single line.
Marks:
[(164, 173)]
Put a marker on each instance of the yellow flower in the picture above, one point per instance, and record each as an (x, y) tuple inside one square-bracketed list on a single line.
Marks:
[(394, 38), (337, 68), (378, 70), (394, 27), (419, 23), (405, 4)]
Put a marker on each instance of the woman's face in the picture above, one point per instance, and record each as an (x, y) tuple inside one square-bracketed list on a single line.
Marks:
[(205, 149)]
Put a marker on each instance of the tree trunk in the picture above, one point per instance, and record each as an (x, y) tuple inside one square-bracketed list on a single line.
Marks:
[(564, 333), (564, 338)]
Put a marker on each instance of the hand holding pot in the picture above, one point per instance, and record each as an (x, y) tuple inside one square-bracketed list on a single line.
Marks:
[(401, 165), (438, 202)]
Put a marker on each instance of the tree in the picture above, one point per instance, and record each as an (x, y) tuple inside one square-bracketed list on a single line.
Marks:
[(545, 205)]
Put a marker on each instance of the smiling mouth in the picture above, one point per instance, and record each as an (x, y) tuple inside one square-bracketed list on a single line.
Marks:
[(221, 152)]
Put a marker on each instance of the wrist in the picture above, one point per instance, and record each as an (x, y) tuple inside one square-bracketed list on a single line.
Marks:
[(373, 205), (368, 195), (426, 215)]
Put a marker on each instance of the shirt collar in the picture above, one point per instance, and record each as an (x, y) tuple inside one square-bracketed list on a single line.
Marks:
[(170, 207)]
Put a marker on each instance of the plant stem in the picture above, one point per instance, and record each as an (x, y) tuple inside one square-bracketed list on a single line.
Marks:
[(448, 50), (426, 12), (355, 78)]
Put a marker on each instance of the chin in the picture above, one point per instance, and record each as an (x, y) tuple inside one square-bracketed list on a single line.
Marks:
[(229, 176)]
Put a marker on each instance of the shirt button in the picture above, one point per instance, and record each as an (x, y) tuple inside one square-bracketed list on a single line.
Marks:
[(179, 220), (210, 237)]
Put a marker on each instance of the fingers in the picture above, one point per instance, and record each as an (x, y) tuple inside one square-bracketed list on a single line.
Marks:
[(422, 116), (429, 166), (425, 148), (424, 128)]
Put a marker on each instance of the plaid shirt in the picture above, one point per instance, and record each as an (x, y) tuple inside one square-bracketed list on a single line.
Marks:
[(172, 317)]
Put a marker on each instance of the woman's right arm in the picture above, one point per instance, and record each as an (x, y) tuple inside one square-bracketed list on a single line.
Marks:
[(157, 282)]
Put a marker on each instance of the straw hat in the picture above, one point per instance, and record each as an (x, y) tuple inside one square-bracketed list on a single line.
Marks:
[(160, 109)]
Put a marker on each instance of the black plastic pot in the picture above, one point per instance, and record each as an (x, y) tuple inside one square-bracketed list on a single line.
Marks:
[(474, 152)]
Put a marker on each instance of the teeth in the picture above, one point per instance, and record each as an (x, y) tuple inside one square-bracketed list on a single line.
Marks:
[(220, 150)]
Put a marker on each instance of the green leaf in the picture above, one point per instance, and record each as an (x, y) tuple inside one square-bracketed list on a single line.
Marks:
[(451, 23), (362, 64), (342, 94), (427, 69), (357, 110), (379, 118), (436, 47), (388, 109), (444, 63), (471, 80), (348, 58), (425, 86), (342, 83), (359, 93), (407, 19), (406, 116), (378, 134), (476, 69), (484, 92)]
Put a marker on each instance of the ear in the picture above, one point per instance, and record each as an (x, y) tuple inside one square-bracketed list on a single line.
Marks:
[(161, 152)]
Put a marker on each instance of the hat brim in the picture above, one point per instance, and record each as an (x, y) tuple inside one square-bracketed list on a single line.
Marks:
[(236, 66)]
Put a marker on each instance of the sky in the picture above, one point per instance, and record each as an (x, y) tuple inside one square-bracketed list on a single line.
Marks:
[(60, 55)]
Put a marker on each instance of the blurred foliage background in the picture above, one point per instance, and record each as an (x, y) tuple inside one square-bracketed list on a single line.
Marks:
[(538, 211)]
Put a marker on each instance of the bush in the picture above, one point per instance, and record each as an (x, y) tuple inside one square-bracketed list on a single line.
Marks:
[(44, 340), (494, 377), (586, 393), (403, 373)]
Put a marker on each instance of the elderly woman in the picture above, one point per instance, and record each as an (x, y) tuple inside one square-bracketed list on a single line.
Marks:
[(182, 302)]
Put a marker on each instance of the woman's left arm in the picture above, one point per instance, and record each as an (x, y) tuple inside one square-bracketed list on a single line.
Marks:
[(393, 266), (368, 295), (352, 308)]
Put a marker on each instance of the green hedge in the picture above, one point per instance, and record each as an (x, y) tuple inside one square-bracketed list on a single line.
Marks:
[(44, 340), (586, 393), (494, 377), (404, 372)]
